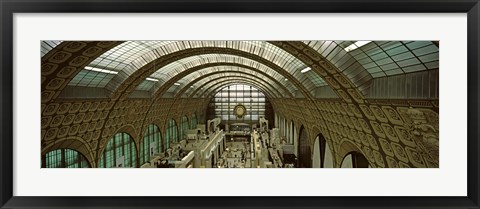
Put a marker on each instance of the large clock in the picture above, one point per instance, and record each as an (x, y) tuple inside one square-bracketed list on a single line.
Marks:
[(239, 110)]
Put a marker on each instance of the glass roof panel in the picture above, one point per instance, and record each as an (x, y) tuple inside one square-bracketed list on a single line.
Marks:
[(344, 60), (46, 46), (414, 68), (379, 74), (429, 57), (425, 50), (146, 85), (231, 71), (132, 55), (215, 79), (408, 62), (402, 56), (416, 44), (432, 65), (171, 70), (216, 87), (385, 61), (89, 78), (391, 57)]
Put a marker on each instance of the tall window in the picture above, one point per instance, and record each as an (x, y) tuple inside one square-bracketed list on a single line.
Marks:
[(171, 133), (226, 99), (151, 143), (193, 121), (183, 127), (304, 151), (120, 152), (65, 158)]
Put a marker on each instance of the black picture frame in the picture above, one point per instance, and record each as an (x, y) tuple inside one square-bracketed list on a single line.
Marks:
[(10, 7)]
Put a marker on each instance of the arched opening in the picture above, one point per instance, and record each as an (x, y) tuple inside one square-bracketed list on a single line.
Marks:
[(316, 156), (193, 121), (151, 143), (280, 124), (354, 160), (65, 158), (183, 128), (277, 121), (120, 152), (304, 151), (253, 99), (322, 156), (292, 133), (171, 133), (328, 160)]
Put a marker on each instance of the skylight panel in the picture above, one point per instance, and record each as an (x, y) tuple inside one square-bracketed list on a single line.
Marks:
[(429, 57), (356, 45), (425, 50), (152, 79), (306, 70), (417, 44), (100, 70), (414, 68)]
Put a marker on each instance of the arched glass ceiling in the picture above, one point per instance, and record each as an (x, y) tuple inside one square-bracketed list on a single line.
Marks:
[(270, 76), (173, 69), (255, 66), (219, 78), (186, 63), (227, 98), (208, 93), (211, 80), (378, 58), (202, 91), (132, 55), (46, 46), (122, 57), (201, 80)]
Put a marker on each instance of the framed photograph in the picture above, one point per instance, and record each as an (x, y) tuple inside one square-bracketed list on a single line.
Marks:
[(265, 104)]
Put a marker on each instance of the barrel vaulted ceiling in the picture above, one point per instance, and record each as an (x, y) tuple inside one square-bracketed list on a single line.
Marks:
[(187, 69)]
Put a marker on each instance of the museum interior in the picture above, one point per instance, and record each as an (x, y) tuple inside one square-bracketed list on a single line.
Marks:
[(239, 104)]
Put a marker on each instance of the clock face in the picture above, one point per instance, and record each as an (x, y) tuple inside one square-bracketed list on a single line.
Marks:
[(239, 110)]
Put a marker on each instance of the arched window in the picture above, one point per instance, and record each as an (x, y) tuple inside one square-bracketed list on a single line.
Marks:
[(65, 158), (304, 151), (291, 139), (223, 103), (120, 152), (183, 128), (354, 160), (171, 133), (282, 127), (193, 122), (322, 156), (151, 143)]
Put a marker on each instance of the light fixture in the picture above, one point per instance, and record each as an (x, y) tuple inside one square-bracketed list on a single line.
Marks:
[(191, 86), (152, 79), (176, 84), (306, 70), (286, 79), (100, 70), (355, 45)]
